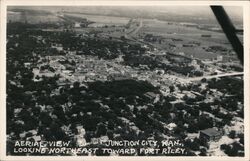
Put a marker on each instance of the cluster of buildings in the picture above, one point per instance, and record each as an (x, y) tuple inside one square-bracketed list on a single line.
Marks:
[(72, 67)]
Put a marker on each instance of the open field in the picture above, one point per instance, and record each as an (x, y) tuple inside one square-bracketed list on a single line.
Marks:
[(177, 35), (169, 27), (32, 18), (114, 26), (21, 16), (165, 29), (102, 20)]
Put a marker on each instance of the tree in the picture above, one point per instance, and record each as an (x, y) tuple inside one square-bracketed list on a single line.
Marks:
[(45, 119), (101, 130), (203, 152), (232, 134), (195, 144), (223, 146), (76, 84), (204, 122), (203, 80), (111, 124), (171, 88), (234, 149), (110, 135), (241, 136), (122, 37), (135, 110), (56, 131)]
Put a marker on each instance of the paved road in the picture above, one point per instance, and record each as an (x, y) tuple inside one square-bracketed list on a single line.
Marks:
[(216, 76)]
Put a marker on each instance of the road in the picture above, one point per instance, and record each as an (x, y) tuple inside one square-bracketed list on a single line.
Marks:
[(134, 32), (216, 76), (137, 29)]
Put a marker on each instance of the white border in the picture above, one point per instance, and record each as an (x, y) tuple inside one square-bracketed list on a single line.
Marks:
[(5, 3)]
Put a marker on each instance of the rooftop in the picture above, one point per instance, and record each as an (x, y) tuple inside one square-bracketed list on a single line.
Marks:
[(150, 94), (211, 132)]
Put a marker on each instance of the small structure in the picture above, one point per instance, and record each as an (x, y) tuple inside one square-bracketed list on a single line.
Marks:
[(206, 35), (37, 138), (77, 24), (118, 77), (177, 103), (58, 47), (219, 57), (171, 126), (80, 136), (210, 134), (150, 95), (27, 65)]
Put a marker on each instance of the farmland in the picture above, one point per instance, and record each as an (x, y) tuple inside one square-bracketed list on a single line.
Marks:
[(172, 34), (102, 20), (177, 34), (32, 18)]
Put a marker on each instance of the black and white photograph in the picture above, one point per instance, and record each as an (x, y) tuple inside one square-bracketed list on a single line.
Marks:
[(125, 80)]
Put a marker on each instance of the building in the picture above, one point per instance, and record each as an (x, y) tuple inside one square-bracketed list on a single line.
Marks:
[(206, 35), (177, 103), (77, 24), (210, 134), (118, 77), (58, 47), (150, 95), (80, 136), (170, 126), (219, 57), (27, 65)]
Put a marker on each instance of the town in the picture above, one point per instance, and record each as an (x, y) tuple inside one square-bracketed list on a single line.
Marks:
[(76, 80)]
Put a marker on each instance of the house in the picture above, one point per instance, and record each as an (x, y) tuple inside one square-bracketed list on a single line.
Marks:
[(58, 47), (77, 24), (210, 134), (80, 136), (177, 103), (170, 126), (37, 138), (27, 65), (219, 58)]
